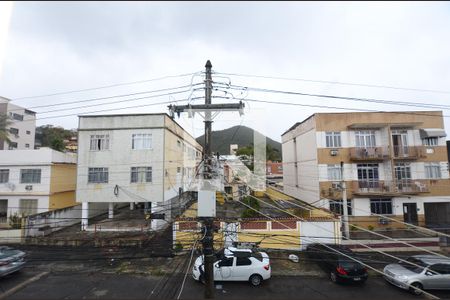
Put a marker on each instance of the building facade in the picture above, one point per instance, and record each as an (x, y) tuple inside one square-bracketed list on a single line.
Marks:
[(274, 169), (22, 127), (394, 164), (35, 181), (146, 158)]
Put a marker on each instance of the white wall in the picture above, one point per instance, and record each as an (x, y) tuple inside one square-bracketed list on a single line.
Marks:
[(304, 152), (28, 124), (15, 187), (323, 232), (119, 160)]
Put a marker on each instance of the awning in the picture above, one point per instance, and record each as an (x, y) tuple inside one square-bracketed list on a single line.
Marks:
[(432, 132)]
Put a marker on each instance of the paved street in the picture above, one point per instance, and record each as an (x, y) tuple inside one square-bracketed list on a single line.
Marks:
[(77, 285)]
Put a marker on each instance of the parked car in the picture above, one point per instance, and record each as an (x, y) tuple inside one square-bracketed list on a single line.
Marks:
[(233, 264), (340, 268), (419, 272), (11, 260)]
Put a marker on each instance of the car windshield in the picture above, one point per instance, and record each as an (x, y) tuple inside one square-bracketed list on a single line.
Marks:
[(413, 264)]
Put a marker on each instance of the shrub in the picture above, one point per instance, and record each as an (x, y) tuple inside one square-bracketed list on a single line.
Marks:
[(370, 227), (15, 221), (178, 247)]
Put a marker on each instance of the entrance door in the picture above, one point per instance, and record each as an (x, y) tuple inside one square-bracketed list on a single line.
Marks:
[(410, 213), (400, 143)]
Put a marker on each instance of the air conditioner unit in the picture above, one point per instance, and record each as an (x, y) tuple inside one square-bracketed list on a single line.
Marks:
[(333, 152), (29, 187)]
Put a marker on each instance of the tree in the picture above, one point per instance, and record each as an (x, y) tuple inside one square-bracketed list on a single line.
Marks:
[(53, 137), (57, 144), (5, 121)]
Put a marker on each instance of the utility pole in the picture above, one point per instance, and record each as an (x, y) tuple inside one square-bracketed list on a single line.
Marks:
[(344, 203), (205, 212), (208, 250)]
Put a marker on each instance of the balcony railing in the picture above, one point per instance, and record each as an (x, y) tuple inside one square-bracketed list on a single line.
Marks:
[(379, 187), (369, 153), (408, 152)]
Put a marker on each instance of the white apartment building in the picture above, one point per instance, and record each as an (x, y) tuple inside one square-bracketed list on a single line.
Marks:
[(394, 164), (22, 128), (35, 181), (145, 158)]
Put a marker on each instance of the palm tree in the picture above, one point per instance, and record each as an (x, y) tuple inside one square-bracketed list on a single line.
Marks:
[(5, 121)]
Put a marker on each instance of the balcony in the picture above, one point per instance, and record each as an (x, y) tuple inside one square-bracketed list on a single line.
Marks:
[(389, 188), (406, 152), (369, 153)]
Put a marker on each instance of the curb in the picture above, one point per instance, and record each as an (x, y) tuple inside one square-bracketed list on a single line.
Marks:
[(22, 285)]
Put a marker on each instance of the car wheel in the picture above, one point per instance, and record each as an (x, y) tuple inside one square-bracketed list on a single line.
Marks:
[(255, 279), (333, 277), (418, 288)]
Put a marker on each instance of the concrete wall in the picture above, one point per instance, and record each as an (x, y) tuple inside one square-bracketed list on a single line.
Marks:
[(271, 234), (302, 181)]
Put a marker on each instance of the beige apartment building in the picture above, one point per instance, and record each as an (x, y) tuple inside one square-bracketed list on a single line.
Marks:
[(394, 164)]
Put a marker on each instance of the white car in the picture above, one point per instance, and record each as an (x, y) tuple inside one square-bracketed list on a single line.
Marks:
[(233, 264)]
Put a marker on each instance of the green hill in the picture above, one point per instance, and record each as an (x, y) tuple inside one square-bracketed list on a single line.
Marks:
[(243, 136)]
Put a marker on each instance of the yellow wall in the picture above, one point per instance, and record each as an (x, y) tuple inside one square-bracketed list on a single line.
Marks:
[(63, 178), (61, 200), (285, 239)]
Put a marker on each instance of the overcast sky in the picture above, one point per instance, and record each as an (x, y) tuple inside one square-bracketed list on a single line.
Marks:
[(62, 46)]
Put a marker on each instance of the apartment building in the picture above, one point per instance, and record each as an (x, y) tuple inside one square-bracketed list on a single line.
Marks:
[(394, 164), (35, 181), (22, 127), (143, 158)]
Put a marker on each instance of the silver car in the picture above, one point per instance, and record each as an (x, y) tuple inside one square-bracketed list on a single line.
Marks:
[(423, 272), (11, 260)]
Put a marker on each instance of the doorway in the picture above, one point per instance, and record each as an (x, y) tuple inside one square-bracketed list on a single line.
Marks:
[(410, 213), (400, 143)]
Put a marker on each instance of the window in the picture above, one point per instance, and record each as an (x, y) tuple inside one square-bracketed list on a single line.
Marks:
[(141, 141), (433, 170), (365, 138), (99, 142), (98, 175), (12, 145), (243, 261), (4, 175), (368, 175), (178, 170), (334, 172), (30, 176), (430, 141), (333, 139), (336, 206), (442, 269), (29, 112), (141, 174), (27, 145), (28, 206), (15, 116), (14, 130), (28, 132), (226, 262), (179, 143), (381, 206)]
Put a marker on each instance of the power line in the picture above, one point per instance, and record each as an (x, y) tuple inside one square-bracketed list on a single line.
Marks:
[(336, 82), (104, 87)]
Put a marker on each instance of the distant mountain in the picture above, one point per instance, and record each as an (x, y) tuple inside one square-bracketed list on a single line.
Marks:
[(222, 139)]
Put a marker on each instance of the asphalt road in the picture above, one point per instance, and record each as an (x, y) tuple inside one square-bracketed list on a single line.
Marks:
[(76, 285)]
